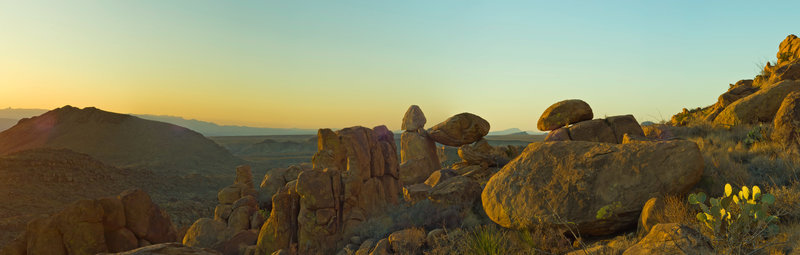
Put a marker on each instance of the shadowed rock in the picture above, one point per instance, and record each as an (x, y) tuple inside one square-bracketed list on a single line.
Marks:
[(564, 113)]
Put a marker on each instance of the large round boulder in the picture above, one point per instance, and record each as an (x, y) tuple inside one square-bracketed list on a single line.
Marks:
[(204, 233), (599, 186), (564, 113), (461, 129)]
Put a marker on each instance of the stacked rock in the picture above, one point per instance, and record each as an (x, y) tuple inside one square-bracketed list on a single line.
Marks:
[(111, 224), (572, 120), (417, 150), (275, 179), (236, 218)]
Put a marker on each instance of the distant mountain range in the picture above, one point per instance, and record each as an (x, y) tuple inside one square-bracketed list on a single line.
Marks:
[(213, 129)]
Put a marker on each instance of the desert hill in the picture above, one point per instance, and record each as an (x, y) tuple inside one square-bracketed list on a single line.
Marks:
[(43, 181), (119, 140)]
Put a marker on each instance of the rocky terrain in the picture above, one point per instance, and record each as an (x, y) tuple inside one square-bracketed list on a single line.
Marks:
[(716, 180)]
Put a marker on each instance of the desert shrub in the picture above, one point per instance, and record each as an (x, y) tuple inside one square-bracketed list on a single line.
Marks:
[(787, 202), (541, 239), (486, 240), (676, 210), (737, 222)]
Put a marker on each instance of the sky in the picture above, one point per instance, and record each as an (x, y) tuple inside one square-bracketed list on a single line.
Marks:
[(333, 64)]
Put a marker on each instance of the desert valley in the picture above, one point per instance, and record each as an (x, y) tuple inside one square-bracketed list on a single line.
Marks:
[(721, 179)]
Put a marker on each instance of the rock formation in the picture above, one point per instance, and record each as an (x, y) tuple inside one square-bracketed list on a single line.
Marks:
[(417, 150), (354, 177), (757, 107), (609, 130), (576, 180), (564, 113), (786, 127), (236, 218), (460, 129), (111, 224)]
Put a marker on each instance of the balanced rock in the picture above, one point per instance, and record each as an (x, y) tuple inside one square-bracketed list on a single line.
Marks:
[(414, 119), (564, 113), (758, 107), (576, 179), (461, 129), (786, 127)]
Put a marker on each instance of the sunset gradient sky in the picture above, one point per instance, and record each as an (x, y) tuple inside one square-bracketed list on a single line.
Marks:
[(312, 64)]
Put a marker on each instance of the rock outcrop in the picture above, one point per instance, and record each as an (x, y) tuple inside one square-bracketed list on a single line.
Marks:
[(235, 220), (354, 177), (564, 113), (96, 226), (414, 119), (609, 130), (789, 49), (577, 180), (786, 127), (758, 107), (460, 129), (418, 155)]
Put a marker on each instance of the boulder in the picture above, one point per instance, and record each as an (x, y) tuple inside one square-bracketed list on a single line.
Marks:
[(477, 153), (564, 113), (461, 129), (238, 242), (381, 248), (576, 179), (737, 91), (440, 175), (43, 237), (273, 181), (414, 119), (137, 210), (81, 227), (416, 192), (168, 249), (230, 194), (559, 134), (204, 233), (244, 176), (113, 213), (459, 190), (240, 219), (121, 240), (786, 127), (789, 49), (407, 241), (671, 238), (280, 230), (418, 154), (758, 107), (592, 131), (658, 132), (366, 247), (222, 212), (624, 124), (161, 229)]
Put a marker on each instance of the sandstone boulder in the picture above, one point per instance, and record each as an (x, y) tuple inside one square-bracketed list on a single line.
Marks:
[(121, 240), (577, 179), (439, 176), (113, 213), (407, 241), (758, 107), (671, 238), (459, 190), (238, 242), (624, 124), (789, 49), (786, 127), (280, 230), (559, 134), (416, 192), (222, 212), (204, 233), (43, 237), (737, 91), (461, 129), (564, 113), (230, 194), (161, 229), (137, 210), (592, 131), (81, 227), (418, 157), (414, 119)]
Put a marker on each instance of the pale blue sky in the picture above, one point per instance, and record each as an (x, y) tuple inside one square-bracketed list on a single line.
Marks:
[(313, 64)]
